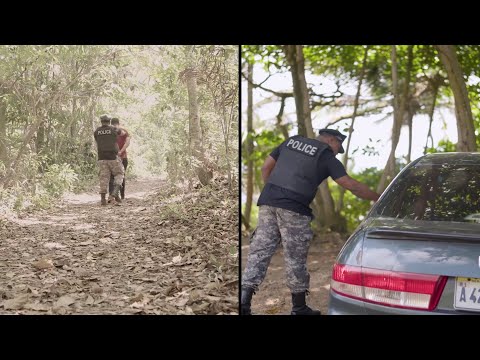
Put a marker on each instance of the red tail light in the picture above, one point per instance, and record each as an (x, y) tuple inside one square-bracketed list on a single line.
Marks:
[(389, 288)]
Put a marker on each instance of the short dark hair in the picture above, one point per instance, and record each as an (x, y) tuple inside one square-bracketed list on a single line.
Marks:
[(115, 121)]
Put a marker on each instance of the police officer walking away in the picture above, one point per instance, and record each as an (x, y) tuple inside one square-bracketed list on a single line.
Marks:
[(108, 160), (292, 174)]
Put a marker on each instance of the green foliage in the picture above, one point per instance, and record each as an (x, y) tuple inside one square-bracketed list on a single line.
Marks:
[(11, 199), (217, 87), (444, 145), (175, 212), (334, 59), (342, 65), (53, 96), (263, 144), (355, 209), (271, 56), (253, 215), (55, 181), (58, 179)]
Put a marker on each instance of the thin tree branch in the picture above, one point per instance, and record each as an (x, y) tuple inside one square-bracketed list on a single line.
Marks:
[(282, 127), (370, 111), (263, 82), (277, 93)]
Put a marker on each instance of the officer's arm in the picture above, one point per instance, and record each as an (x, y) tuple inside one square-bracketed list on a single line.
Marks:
[(357, 188), (267, 167), (127, 142)]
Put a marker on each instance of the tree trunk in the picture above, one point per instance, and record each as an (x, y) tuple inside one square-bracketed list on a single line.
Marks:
[(194, 130), (463, 112), (323, 205), (350, 129), (9, 177), (245, 223), (3, 131), (31, 131), (398, 111), (248, 204), (283, 128), (294, 54), (413, 107), (40, 140), (430, 116), (410, 132), (73, 130), (227, 121)]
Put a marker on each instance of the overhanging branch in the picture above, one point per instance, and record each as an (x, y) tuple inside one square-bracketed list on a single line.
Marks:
[(370, 111), (259, 86)]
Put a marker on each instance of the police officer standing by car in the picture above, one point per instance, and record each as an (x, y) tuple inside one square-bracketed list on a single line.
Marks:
[(292, 174), (108, 160)]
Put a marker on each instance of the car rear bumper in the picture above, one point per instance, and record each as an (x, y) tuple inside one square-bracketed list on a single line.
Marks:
[(342, 305)]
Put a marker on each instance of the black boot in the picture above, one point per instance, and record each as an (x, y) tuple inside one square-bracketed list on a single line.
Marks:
[(300, 306), (104, 201), (246, 300)]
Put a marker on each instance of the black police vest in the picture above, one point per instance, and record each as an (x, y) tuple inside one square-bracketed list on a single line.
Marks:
[(297, 166), (106, 137)]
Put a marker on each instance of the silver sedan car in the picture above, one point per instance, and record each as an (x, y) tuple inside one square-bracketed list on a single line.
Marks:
[(418, 250)]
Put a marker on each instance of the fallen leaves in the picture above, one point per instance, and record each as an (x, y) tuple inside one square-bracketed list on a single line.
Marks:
[(107, 241), (155, 256), (37, 307), (65, 300), (16, 303), (97, 289), (43, 264), (54, 245), (86, 243)]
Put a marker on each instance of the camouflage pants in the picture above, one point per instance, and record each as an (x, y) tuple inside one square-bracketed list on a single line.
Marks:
[(107, 167), (275, 225)]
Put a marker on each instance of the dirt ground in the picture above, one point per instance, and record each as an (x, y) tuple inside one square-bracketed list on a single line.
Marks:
[(160, 252), (273, 296)]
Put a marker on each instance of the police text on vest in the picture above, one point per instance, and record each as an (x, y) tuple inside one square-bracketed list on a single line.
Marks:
[(104, 132), (302, 147)]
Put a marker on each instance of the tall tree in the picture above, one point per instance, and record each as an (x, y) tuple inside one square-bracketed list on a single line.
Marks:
[(411, 102), (463, 111), (194, 128), (222, 83), (296, 60), (399, 106), (325, 207), (51, 98)]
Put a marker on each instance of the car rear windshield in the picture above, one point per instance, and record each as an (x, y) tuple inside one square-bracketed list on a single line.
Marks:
[(435, 191)]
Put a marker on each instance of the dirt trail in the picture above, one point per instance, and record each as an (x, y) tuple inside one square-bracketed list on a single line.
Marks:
[(145, 256), (274, 298)]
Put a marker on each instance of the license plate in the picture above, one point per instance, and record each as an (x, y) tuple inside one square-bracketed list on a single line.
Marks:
[(467, 294)]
